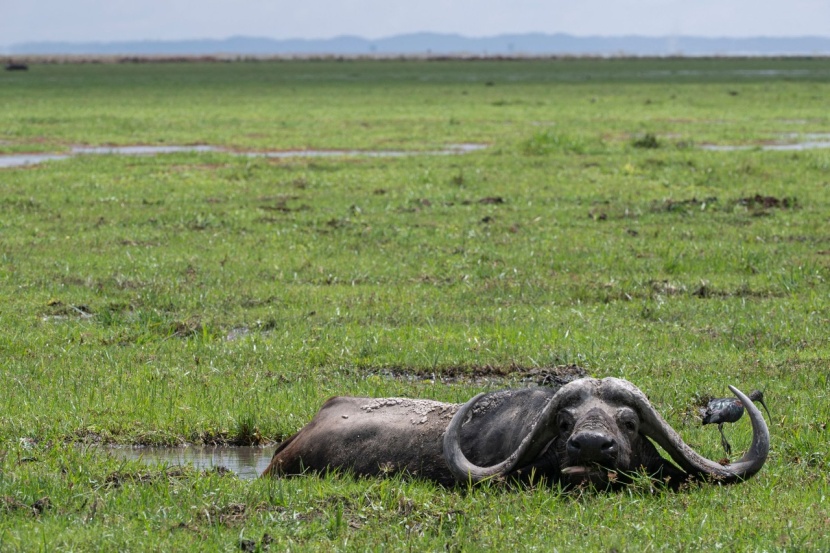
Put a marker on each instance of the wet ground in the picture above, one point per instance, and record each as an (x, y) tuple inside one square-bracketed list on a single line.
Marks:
[(788, 143), (19, 160), (813, 141), (247, 462)]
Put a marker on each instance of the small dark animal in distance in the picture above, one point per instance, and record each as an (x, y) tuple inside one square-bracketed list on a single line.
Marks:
[(588, 431), (11, 66)]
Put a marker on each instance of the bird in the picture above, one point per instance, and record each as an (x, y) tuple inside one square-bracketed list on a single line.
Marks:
[(729, 409)]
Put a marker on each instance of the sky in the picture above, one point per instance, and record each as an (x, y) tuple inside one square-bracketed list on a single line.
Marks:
[(127, 20)]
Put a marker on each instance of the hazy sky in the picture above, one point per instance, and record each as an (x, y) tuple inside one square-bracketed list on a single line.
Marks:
[(115, 20)]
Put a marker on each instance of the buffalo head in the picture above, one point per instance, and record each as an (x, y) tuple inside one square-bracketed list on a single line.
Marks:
[(598, 430)]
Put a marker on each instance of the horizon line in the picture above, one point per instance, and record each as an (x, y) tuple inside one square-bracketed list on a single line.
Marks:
[(432, 33)]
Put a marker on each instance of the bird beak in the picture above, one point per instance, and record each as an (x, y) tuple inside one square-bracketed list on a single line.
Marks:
[(761, 401)]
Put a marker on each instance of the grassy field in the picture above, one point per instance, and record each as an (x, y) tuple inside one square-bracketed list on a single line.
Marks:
[(219, 298)]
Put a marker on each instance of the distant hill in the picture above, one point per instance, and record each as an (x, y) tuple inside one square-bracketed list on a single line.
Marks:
[(533, 44)]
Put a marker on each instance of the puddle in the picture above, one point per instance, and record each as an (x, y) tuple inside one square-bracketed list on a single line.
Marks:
[(28, 159), (767, 147), (247, 462), (141, 150), (19, 160), (810, 142)]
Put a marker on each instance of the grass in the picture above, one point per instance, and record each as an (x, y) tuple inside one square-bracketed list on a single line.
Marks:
[(202, 298)]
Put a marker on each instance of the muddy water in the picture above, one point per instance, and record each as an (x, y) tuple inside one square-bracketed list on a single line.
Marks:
[(247, 462), (18, 160)]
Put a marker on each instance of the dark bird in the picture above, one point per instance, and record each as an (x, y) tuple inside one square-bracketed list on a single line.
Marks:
[(729, 409)]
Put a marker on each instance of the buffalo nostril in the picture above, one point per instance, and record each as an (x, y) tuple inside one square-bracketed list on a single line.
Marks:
[(592, 446)]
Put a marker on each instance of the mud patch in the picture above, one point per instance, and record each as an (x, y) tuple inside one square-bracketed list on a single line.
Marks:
[(236, 514), (555, 377), (491, 200), (9, 504), (766, 202), (118, 478), (237, 333), (683, 206), (280, 204), (755, 203), (252, 545), (541, 376), (58, 310), (186, 328), (705, 290)]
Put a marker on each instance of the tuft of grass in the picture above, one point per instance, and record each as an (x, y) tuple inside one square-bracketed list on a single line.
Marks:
[(646, 142), (246, 431), (547, 142)]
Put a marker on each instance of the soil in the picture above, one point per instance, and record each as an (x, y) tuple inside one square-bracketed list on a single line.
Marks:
[(767, 202), (542, 376)]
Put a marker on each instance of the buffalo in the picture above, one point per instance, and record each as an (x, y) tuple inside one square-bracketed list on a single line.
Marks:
[(589, 431)]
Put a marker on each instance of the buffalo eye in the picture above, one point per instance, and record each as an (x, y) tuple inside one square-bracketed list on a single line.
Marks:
[(628, 420), (565, 422)]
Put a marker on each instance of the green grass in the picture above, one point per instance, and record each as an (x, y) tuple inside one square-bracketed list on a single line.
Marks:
[(214, 298)]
